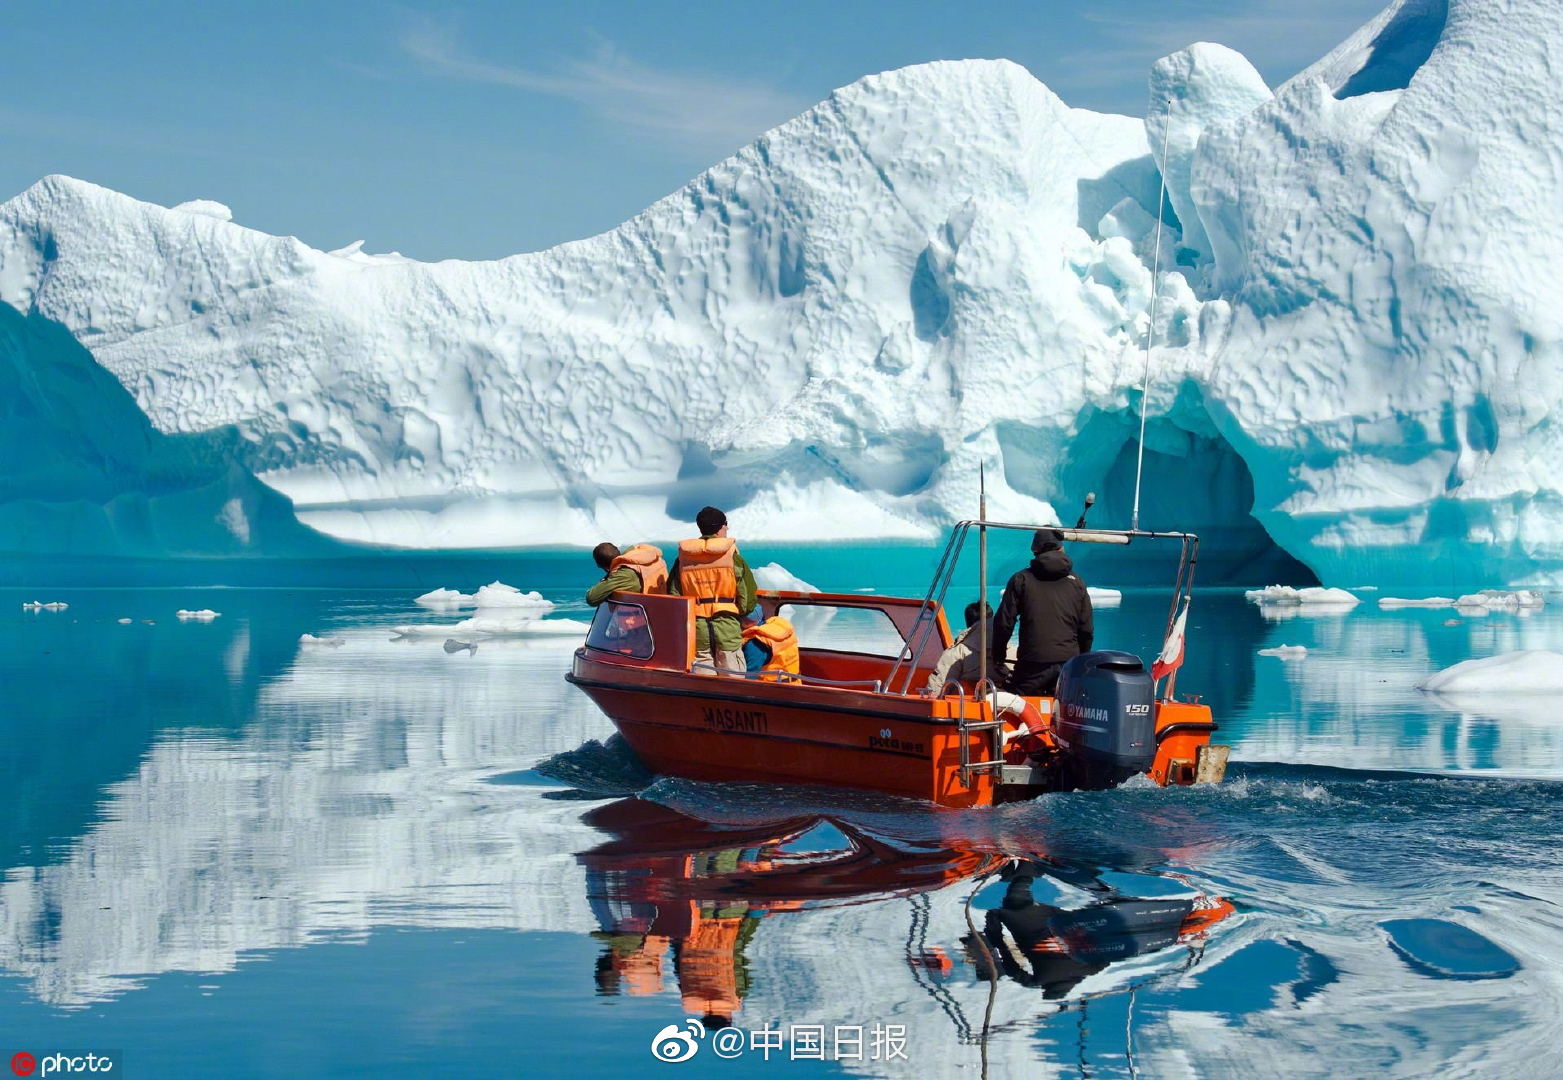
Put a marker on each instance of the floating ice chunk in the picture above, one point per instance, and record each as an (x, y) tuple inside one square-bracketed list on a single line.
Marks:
[(328, 642), (1391, 603), (1104, 597), (36, 606), (1313, 596), (497, 594), (199, 615), (487, 626), (774, 577), (445, 600), (1532, 671), (1286, 652), (1502, 600), (454, 646), (125, 622)]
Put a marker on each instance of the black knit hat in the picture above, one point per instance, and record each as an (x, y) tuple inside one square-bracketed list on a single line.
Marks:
[(709, 520), (1046, 540)]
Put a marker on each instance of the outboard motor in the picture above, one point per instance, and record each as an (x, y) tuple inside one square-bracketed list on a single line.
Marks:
[(1106, 718)]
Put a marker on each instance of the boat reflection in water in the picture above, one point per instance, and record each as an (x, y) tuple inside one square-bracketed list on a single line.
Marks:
[(679, 901), (1054, 948)]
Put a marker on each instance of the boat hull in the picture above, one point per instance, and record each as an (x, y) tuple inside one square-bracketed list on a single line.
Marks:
[(707, 728)]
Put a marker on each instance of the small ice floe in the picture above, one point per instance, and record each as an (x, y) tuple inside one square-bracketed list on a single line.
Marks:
[(454, 646), (499, 595), (774, 577), (1531, 671), (1286, 602), (1453, 622), (125, 622), (199, 615), (491, 626), (1104, 597), (1392, 603), (1503, 600), (444, 600), (54, 605), (327, 642), (1312, 596), (496, 594), (1286, 652)]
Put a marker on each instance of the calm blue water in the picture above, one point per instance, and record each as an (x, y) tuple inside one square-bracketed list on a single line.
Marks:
[(227, 853)]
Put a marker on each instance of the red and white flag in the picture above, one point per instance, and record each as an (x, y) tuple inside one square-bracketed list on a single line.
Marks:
[(1171, 657)]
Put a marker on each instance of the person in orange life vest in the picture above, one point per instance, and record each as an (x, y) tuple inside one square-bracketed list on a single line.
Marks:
[(771, 647), (711, 571), (639, 569)]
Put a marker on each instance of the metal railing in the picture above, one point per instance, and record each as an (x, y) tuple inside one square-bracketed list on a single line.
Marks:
[(993, 729), (944, 573), (877, 685)]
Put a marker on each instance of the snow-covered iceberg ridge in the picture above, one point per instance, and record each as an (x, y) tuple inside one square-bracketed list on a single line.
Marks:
[(936, 268)]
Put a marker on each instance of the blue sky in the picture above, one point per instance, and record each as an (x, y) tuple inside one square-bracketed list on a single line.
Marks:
[(481, 129)]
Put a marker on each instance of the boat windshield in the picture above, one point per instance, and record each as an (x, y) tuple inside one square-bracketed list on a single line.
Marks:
[(621, 628), (864, 630)]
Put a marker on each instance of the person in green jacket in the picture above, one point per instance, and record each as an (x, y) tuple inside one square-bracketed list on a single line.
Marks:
[(718, 637), (624, 579)]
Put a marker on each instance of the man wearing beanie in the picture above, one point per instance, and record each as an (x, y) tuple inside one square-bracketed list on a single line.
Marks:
[(1054, 612), (712, 573)]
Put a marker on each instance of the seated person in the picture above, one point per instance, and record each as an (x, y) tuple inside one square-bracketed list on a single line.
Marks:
[(771, 648), (961, 662), (638, 569)]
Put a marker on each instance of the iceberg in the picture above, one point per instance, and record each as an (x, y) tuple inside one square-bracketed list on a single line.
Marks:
[(1355, 352), (1528, 671)]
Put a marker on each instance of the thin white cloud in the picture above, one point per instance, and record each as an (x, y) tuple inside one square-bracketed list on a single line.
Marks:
[(1279, 37), (698, 110)]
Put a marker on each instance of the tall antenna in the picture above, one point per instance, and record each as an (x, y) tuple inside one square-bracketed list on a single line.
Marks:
[(982, 573), (1145, 386)]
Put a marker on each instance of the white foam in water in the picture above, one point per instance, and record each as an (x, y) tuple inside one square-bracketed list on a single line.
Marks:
[(1530, 671), (1392, 603), (1286, 652), (199, 615)]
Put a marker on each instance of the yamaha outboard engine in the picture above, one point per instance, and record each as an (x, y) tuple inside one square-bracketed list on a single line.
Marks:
[(1106, 718)]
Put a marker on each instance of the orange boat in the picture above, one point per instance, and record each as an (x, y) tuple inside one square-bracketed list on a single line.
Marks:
[(859, 715)]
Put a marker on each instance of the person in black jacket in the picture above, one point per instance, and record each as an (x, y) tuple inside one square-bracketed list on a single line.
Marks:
[(1054, 612)]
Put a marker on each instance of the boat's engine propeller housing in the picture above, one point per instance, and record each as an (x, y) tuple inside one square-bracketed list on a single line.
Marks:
[(1106, 718)]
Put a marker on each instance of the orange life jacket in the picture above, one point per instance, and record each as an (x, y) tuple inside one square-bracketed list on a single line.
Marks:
[(647, 563), (706, 575), (777, 634)]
